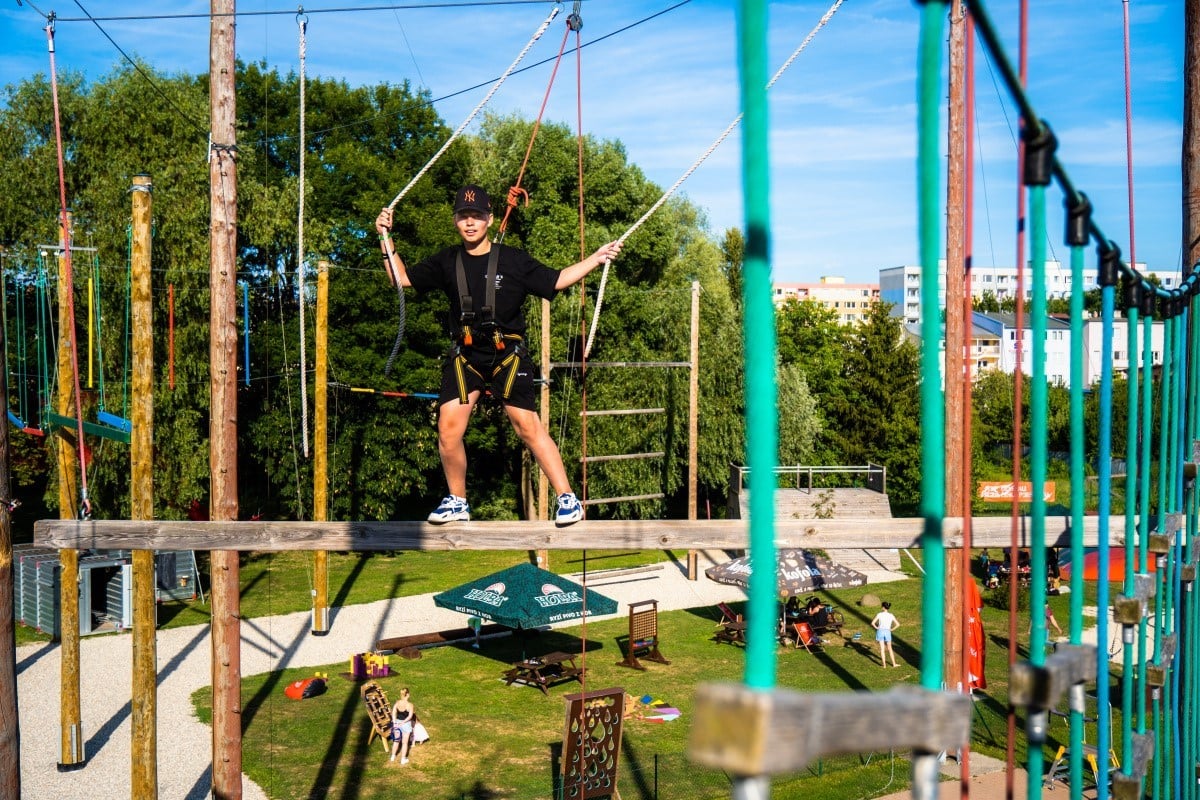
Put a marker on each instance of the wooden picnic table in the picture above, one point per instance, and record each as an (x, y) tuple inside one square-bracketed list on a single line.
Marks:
[(543, 671), (732, 632)]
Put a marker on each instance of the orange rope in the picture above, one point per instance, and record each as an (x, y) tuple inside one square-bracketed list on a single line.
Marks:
[(516, 192), (69, 277)]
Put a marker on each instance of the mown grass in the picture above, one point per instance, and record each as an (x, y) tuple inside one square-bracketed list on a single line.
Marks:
[(496, 741)]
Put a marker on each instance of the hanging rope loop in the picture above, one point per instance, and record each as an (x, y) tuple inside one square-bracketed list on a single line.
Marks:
[(828, 15), (487, 98)]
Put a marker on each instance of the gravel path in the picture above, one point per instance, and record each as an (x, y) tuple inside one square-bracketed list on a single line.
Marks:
[(268, 644)]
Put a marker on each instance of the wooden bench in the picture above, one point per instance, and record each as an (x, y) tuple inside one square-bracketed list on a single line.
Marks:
[(399, 643)]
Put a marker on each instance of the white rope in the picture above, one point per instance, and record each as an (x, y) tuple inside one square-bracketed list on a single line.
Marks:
[(666, 195), (520, 56), (302, 21)]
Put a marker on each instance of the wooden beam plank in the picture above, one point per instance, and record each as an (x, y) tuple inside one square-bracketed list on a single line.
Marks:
[(656, 534)]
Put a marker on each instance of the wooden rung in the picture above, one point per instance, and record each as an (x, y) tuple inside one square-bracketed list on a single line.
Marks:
[(753, 732), (1042, 687), (1160, 543), (1132, 610), (1127, 785), (578, 364), (627, 499), (622, 457), (618, 412), (91, 428)]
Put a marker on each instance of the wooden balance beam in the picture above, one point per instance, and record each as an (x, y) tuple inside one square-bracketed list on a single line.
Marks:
[(274, 536)]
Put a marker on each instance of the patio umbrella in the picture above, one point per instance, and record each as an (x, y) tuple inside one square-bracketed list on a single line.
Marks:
[(524, 596), (796, 571)]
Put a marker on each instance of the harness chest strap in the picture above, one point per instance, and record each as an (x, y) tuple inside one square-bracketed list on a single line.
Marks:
[(467, 304)]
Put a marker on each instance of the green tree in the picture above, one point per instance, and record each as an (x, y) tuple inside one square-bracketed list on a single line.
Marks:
[(872, 413)]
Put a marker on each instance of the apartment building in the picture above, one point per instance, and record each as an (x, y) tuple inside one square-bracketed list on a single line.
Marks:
[(849, 301)]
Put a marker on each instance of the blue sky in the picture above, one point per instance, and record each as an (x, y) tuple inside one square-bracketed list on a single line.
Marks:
[(843, 136)]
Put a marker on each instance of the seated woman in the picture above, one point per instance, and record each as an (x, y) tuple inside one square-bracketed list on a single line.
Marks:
[(404, 716), (818, 614), (792, 607)]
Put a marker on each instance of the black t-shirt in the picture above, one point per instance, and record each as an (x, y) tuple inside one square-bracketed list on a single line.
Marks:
[(518, 275)]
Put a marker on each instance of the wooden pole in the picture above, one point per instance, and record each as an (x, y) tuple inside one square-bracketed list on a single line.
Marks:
[(543, 490), (1191, 136), (320, 588), (10, 729), (71, 755), (226, 629), (144, 699), (956, 343), (693, 566)]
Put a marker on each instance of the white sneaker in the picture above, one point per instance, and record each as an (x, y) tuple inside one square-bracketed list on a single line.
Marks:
[(404, 761), (569, 510), (452, 509)]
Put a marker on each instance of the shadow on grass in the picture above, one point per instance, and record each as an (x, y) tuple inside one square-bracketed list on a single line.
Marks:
[(529, 643), (348, 583), (477, 791)]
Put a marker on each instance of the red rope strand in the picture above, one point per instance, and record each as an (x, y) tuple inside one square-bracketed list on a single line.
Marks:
[(69, 277)]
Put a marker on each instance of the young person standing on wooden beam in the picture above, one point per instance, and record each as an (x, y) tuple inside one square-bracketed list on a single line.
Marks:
[(487, 285)]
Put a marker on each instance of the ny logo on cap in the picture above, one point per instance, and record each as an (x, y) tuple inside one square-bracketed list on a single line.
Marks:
[(469, 195)]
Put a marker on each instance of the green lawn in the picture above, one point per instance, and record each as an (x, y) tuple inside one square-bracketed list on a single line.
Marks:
[(495, 741)]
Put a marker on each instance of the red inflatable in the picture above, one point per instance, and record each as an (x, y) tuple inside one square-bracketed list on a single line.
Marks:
[(309, 687)]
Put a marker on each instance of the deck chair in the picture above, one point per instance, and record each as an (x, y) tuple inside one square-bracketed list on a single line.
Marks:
[(379, 710), (801, 635), (727, 615)]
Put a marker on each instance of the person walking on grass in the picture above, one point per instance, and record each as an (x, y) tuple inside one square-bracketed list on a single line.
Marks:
[(486, 284), (884, 623)]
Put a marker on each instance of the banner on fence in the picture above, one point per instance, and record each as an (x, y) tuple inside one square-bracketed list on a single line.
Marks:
[(1002, 491)]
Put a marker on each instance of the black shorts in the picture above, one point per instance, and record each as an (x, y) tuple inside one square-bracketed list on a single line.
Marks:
[(509, 374)]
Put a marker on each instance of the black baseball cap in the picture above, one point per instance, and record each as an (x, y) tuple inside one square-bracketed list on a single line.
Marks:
[(472, 198)]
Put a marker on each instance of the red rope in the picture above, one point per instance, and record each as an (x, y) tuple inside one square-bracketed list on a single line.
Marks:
[(69, 277), (968, 251), (1010, 754), (515, 193), (1129, 135)]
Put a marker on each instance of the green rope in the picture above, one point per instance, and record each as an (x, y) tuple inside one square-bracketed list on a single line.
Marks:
[(1143, 565), (1078, 461), (761, 395), (1131, 484), (1037, 720), (99, 328), (933, 480)]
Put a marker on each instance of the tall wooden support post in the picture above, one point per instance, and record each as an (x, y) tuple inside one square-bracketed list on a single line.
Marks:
[(223, 342), (10, 731), (956, 343), (144, 698), (543, 489), (71, 755), (1191, 136), (320, 588), (693, 567)]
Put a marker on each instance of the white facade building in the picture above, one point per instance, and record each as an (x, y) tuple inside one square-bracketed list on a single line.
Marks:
[(1093, 331), (901, 286)]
